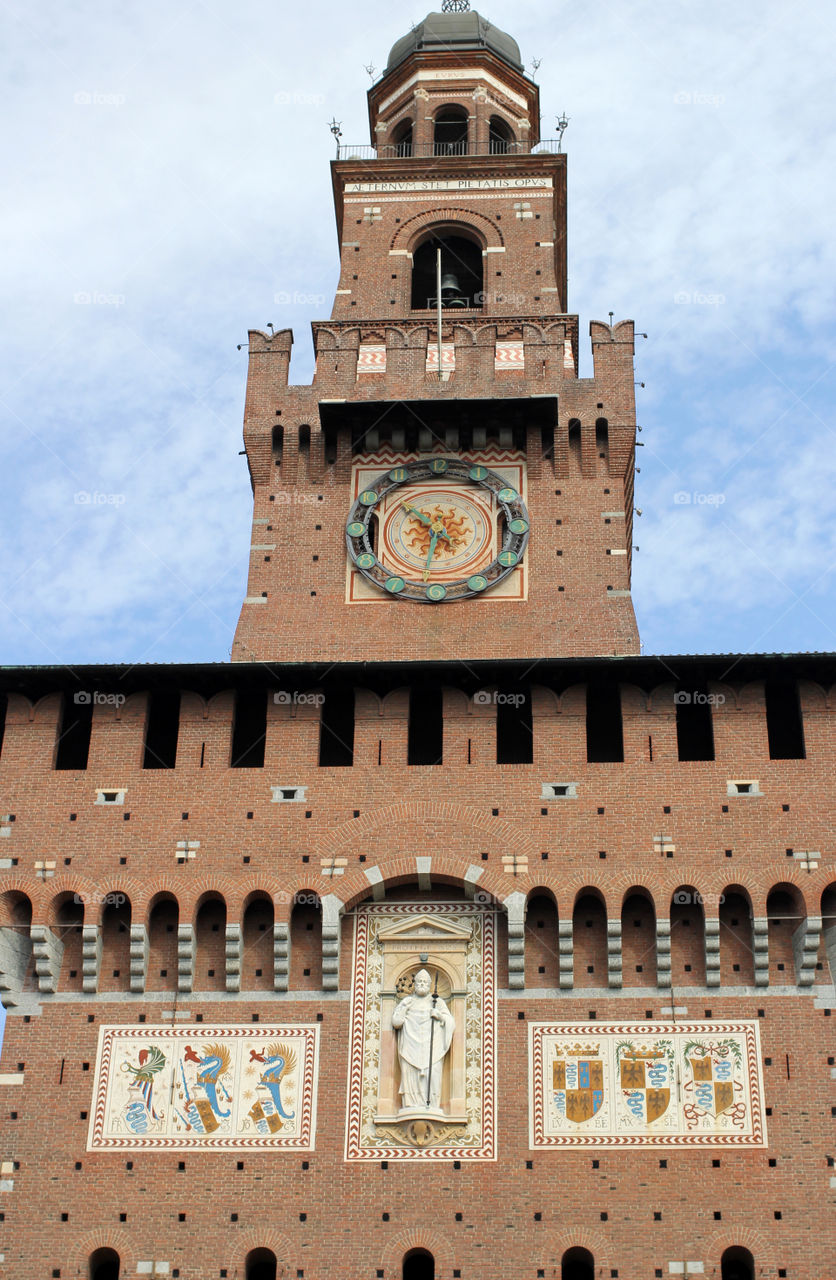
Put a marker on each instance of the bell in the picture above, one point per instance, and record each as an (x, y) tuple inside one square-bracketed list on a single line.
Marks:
[(451, 293)]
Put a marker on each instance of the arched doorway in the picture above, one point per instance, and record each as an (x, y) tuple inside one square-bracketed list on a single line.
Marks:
[(260, 1265), (418, 1264), (737, 1263), (104, 1265), (577, 1264)]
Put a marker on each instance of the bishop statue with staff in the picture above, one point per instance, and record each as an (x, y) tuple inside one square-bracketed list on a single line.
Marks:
[(425, 1029)]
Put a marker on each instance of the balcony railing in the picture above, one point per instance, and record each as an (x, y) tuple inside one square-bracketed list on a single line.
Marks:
[(440, 150)]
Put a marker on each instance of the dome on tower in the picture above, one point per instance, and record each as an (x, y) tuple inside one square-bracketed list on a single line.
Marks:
[(456, 31)]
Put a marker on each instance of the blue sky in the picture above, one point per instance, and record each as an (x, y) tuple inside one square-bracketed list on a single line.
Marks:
[(168, 186)]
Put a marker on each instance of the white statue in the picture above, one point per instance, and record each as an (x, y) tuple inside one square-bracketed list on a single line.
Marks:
[(425, 1029)]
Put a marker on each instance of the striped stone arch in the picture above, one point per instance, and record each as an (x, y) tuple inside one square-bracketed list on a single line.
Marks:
[(261, 1238), (408, 232), (580, 1238), (355, 887), (418, 1238), (104, 1238)]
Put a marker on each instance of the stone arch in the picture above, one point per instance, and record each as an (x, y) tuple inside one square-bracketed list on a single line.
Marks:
[(259, 1238), (742, 1237), (409, 233), (579, 1238), (103, 1238), (419, 1238)]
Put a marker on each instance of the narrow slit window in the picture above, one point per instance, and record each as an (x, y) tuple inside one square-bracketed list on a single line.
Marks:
[(336, 728), (514, 727), (74, 729), (162, 728), (784, 722), (604, 731), (249, 730), (426, 726)]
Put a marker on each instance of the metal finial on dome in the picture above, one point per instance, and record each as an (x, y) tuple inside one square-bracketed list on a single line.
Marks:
[(455, 6)]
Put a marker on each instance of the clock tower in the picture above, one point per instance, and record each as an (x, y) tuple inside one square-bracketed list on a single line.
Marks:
[(448, 484)]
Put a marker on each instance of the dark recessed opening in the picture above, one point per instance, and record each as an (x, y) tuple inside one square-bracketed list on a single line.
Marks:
[(74, 732), (604, 736), (694, 728), (336, 728), (250, 729), (514, 729), (162, 727), (425, 739), (784, 723)]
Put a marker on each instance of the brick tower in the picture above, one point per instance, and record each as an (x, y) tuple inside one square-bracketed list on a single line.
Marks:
[(441, 933), (456, 167)]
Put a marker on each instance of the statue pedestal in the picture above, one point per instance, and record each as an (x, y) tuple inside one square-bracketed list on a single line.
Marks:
[(433, 1114)]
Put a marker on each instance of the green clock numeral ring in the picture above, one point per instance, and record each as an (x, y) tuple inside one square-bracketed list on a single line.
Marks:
[(508, 495), (394, 585), (356, 529), (436, 591), (398, 475), (477, 473), (366, 560), (518, 526), (507, 559), (438, 466), (477, 583), (368, 497)]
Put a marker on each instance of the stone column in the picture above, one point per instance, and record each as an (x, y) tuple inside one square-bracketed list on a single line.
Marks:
[(663, 953), (332, 907), (185, 957), (515, 907), (91, 958), (805, 945), (760, 950), (138, 957), (281, 957), (614, 966), (233, 957), (566, 954), (15, 949)]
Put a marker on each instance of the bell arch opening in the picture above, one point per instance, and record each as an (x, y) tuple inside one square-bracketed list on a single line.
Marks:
[(402, 138), (501, 137), (461, 272), (450, 132)]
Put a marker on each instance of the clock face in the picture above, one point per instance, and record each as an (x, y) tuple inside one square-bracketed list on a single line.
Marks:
[(437, 530)]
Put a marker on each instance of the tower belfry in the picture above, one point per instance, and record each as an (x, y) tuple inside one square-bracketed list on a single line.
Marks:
[(447, 453)]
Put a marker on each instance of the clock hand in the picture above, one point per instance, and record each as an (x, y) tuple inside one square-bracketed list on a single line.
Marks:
[(414, 511), (433, 542)]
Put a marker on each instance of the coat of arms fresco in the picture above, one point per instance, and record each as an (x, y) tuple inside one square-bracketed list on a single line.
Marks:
[(647, 1084)]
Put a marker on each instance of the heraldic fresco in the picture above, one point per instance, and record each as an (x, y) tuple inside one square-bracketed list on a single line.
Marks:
[(205, 1088), (648, 1084), (408, 957)]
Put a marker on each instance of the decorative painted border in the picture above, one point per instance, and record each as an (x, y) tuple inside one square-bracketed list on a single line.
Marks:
[(539, 1087), (353, 1148), (306, 1038)]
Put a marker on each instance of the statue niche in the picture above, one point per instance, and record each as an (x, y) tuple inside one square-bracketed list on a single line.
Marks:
[(422, 1050)]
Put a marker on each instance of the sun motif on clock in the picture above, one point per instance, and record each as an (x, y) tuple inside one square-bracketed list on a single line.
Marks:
[(435, 530)]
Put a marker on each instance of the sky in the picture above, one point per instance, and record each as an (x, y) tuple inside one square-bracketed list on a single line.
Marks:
[(168, 187)]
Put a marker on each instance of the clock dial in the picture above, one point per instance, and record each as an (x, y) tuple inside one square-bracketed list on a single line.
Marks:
[(444, 530)]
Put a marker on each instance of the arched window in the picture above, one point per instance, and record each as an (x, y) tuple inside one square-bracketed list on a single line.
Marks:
[(501, 136), (104, 1265), (737, 1264), (402, 138), (260, 1265), (418, 1264), (450, 137), (461, 273), (577, 1264), (589, 931)]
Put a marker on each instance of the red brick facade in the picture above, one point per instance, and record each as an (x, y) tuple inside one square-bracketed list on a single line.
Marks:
[(222, 889)]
